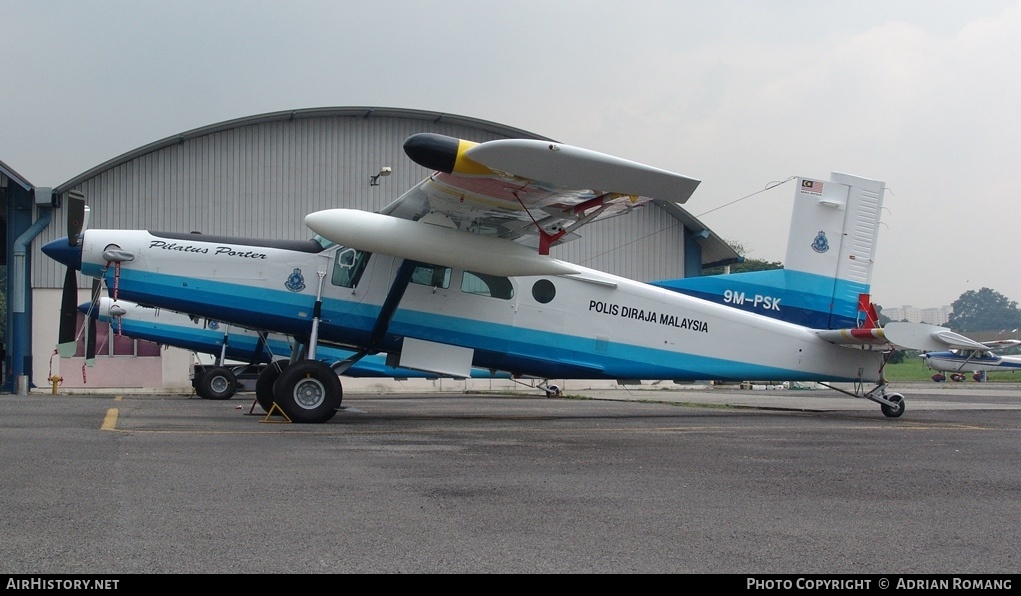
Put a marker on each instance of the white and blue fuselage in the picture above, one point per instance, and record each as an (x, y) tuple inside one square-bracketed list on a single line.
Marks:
[(586, 325)]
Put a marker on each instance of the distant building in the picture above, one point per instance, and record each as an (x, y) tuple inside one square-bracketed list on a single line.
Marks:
[(938, 315)]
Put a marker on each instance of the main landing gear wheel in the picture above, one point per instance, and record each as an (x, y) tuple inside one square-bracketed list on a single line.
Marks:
[(896, 410), (264, 384), (308, 391), (216, 383)]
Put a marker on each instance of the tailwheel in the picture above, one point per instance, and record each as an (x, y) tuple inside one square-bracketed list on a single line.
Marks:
[(264, 384), (216, 383), (895, 410), (308, 391), (551, 390)]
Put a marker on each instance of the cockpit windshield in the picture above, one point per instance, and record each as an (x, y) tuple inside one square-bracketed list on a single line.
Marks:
[(323, 242)]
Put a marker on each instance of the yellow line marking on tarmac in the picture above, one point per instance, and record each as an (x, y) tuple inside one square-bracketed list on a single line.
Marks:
[(110, 421)]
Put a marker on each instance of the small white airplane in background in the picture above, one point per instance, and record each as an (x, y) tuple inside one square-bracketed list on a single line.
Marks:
[(457, 273), (977, 361)]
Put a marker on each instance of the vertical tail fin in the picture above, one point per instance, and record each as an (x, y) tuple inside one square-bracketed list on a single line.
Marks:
[(831, 250)]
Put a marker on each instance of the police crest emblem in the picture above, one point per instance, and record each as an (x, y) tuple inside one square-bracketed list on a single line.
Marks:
[(820, 244), (295, 281)]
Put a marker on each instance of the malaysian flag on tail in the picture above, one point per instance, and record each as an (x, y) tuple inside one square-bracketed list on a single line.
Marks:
[(812, 186)]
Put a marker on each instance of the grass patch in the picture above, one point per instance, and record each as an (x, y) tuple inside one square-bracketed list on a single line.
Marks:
[(914, 369)]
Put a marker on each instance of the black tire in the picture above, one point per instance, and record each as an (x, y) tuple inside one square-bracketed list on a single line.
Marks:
[(264, 383), (217, 383), (893, 411), (308, 391)]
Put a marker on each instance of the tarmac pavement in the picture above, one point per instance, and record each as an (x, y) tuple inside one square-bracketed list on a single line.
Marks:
[(677, 479)]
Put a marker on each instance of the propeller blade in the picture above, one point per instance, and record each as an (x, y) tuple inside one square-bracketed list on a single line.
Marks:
[(97, 288), (75, 216), (67, 337)]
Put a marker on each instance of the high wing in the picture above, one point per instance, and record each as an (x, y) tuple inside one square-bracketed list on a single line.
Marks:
[(494, 199), (911, 336), (1001, 343)]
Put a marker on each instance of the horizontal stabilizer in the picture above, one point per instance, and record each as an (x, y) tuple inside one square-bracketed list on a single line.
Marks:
[(920, 336), (910, 336)]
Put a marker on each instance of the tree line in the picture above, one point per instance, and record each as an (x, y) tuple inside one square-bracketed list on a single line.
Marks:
[(981, 310)]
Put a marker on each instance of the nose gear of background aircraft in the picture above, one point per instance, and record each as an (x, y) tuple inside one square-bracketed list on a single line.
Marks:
[(216, 383)]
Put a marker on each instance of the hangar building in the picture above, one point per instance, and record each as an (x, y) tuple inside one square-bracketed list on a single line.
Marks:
[(257, 177)]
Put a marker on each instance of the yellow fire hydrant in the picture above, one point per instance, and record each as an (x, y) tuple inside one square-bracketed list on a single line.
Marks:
[(56, 381)]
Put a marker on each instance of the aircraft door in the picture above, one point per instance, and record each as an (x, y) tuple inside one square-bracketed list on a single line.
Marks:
[(540, 309)]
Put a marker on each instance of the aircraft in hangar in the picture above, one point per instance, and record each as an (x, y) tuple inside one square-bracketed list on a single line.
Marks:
[(246, 348), (457, 273), (977, 361)]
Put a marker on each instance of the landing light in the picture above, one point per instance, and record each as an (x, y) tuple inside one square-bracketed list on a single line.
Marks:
[(384, 171)]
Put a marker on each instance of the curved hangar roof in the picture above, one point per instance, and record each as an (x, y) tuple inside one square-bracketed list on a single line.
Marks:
[(259, 175), (430, 119)]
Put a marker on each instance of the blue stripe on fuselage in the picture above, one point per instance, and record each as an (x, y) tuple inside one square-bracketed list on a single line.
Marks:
[(807, 299), (518, 350)]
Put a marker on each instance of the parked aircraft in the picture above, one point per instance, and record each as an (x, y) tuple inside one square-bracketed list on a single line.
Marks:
[(247, 348), (977, 361), (457, 273)]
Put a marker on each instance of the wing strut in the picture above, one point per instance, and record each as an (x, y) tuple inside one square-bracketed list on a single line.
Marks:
[(547, 239), (971, 355), (386, 314), (260, 346), (393, 298)]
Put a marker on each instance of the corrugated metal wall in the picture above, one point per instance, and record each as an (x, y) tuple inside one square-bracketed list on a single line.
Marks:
[(646, 244), (258, 177)]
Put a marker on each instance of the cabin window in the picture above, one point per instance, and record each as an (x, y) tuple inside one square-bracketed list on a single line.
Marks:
[(431, 275), (544, 291), (482, 284), (348, 267)]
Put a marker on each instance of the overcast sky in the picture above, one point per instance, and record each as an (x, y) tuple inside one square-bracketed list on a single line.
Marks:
[(924, 95)]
